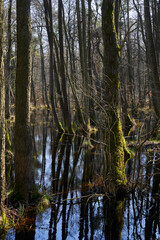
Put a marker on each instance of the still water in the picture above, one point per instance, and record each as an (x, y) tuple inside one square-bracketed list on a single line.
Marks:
[(70, 172)]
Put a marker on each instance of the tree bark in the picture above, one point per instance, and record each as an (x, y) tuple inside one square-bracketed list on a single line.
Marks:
[(23, 173), (129, 60), (2, 110), (33, 92), (8, 63), (152, 59), (116, 153), (83, 52), (43, 75), (90, 78)]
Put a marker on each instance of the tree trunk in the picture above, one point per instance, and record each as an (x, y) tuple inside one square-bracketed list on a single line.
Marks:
[(23, 173), (116, 153), (129, 60), (152, 59), (2, 110), (33, 92), (43, 75), (83, 52), (49, 26), (8, 62), (67, 119), (85, 62), (90, 79)]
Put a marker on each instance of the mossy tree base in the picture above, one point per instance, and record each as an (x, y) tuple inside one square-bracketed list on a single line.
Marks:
[(117, 154)]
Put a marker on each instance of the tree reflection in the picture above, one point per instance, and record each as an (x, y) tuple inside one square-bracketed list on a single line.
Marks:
[(77, 211)]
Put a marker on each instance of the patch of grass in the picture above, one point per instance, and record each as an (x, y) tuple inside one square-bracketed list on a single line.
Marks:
[(43, 203), (21, 210), (4, 220)]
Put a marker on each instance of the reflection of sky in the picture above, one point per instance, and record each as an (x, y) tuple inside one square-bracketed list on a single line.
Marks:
[(47, 176), (135, 207), (43, 221), (48, 167), (10, 234), (42, 225)]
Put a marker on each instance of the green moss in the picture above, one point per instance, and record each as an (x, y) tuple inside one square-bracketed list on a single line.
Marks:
[(127, 152), (71, 130), (119, 214), (128, 124), (60, 127), (43, 203), (119, 153), (4, 223)]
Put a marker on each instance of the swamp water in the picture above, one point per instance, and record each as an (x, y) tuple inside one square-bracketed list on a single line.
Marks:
[(71, 174)]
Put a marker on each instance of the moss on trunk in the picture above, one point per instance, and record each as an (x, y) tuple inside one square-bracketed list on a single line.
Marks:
[(116, 151)]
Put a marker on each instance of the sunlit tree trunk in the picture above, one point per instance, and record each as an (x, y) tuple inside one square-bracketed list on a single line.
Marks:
[(2, 110), (8, 62), (43, 75), (129, 60), (116, 153), (139, 60), (33, 92), (71, 79), (23, 81)]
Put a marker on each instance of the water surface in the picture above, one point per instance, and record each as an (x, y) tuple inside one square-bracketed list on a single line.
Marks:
[(70, 172)]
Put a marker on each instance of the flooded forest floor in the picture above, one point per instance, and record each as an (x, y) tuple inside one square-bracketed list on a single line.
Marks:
[(71, 201)]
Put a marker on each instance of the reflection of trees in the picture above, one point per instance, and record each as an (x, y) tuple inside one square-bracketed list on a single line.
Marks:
[(84, 206), (113, 218), (142, 207), (45, 120), (153, 217), (65, 158), (28, 226), (60, 184), (73, 169)]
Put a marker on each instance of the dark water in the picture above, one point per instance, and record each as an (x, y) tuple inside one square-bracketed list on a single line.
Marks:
[(71, 173)]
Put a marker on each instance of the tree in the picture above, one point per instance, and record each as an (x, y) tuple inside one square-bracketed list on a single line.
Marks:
[(43, 75), (49, 26), (83, 51), (116, 153), (67, 119), (150, 47), (2, 109), (8, 62), (22, 114)]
